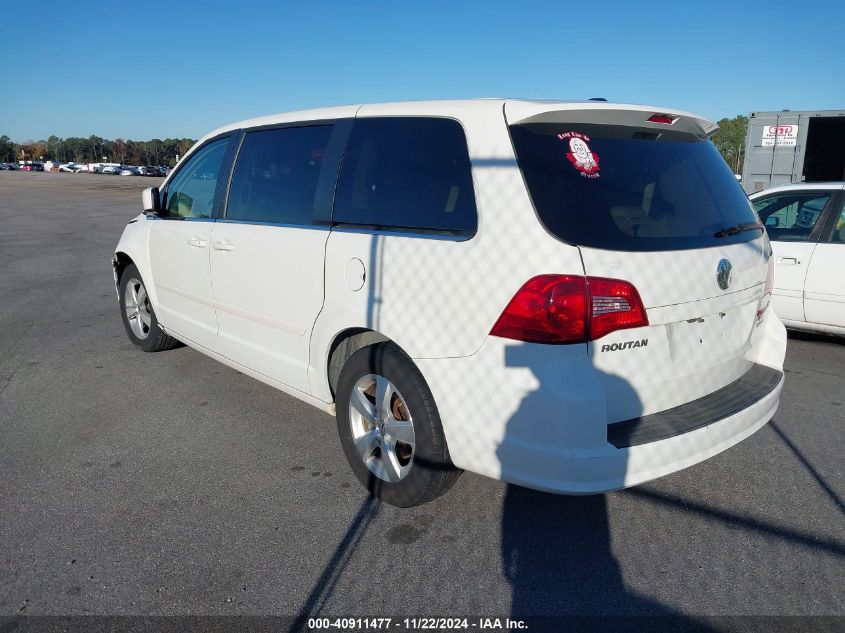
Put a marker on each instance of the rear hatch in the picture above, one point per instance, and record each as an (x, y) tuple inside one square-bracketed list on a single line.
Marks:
[(647, 199)]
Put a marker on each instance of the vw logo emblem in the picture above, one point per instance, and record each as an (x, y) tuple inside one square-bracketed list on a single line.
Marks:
[(723, 273)]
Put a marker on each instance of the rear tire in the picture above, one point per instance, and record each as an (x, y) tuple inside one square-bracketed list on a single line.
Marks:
[(138, 316), (390, 429)]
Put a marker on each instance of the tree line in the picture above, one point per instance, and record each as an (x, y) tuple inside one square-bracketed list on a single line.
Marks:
[(729, 140), (95, 149)]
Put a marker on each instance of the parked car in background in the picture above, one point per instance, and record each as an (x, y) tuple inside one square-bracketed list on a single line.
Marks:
[(111, 169), (806, 226), (569, 296), (71, 167), (129, 171), (37, 166), (12, 166), (26, 166), (148, 171), (3, 167)]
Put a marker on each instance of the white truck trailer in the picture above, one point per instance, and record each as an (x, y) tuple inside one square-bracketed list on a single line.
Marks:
[(786, 147)]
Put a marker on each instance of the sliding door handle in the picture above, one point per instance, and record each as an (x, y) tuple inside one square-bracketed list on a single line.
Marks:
[(223, 246)]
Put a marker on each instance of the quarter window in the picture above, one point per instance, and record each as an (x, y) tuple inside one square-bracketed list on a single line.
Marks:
[(791, 217), (275, 178), (407, 173), (191, 192)]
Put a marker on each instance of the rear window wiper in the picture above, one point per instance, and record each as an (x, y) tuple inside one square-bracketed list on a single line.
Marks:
[(738, 228)]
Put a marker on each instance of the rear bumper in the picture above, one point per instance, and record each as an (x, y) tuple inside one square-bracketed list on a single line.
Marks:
[(536, 416), (554, 471), (731, 399)]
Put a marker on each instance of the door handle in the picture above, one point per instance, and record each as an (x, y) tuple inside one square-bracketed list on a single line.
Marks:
[(788, 261), (223, 246), (197, 242)]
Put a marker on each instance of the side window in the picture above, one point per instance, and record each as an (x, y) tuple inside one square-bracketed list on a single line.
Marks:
[(837, 236), (791, 217), (276, 175), (191, 192), (407, 173)]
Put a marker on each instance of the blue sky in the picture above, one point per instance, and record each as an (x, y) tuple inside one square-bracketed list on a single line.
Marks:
[(146, 68)]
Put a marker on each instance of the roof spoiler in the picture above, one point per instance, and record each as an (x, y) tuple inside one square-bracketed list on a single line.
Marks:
[(647, 117)]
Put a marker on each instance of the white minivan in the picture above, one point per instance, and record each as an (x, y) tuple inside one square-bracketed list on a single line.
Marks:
[(569, 296)]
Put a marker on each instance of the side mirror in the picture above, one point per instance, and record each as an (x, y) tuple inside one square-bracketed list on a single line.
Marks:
[(772, 221), (150, 201)]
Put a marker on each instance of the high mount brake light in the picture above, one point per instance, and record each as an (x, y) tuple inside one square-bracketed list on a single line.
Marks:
[(668, 119), (570, 309)]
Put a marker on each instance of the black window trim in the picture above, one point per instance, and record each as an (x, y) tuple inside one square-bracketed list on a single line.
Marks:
[(820, 227), (338, 143), (836, 207), (335, 149), (215, 205), (405, 231)]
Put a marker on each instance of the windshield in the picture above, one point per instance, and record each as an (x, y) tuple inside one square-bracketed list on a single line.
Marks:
[(629, 189)]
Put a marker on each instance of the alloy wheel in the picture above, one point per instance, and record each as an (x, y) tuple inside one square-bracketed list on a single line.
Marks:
[(382, 428), (136, 302)]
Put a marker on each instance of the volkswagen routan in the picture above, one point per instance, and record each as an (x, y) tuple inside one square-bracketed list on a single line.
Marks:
[(568, 296)]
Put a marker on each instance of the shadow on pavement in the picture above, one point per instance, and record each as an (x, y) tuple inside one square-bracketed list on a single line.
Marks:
[(556, 550), (815, 337), (837, 500)]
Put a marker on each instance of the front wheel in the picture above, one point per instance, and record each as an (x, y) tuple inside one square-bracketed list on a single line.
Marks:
[(390, 429), (139, 319)]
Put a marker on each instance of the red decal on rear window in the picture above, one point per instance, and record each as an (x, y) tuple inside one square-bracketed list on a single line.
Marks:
[(580, 155)]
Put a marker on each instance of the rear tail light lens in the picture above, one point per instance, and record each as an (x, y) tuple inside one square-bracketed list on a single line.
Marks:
[(547, 309), (616, 306), (766, 299), (770, 276), (570, 309)]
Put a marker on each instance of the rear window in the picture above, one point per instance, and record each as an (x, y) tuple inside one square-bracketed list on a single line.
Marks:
[(410, 173), (623, 188)]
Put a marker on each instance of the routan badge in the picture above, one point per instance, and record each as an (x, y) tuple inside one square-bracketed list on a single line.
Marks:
[(580, 155)]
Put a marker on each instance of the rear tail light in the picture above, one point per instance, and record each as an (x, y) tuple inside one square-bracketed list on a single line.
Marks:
[(766, 299), (770, 276), (570, 309), (616, 306)]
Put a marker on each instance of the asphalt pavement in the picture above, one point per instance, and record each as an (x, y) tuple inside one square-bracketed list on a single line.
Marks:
[(167, 483)]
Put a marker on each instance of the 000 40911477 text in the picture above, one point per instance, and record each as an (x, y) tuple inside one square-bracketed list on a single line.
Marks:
[(415, 624)]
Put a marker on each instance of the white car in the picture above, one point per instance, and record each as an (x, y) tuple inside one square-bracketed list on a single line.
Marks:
[(806, 225), (569, 296), (71, 167)]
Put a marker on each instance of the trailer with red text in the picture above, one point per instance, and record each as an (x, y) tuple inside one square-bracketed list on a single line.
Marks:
[(786, 147)]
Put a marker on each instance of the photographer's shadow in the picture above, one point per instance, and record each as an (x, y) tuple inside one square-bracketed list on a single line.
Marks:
[(556, 550)]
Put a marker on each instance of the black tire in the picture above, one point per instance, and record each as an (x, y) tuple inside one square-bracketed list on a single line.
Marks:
[(431, 472), (155, 340)]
